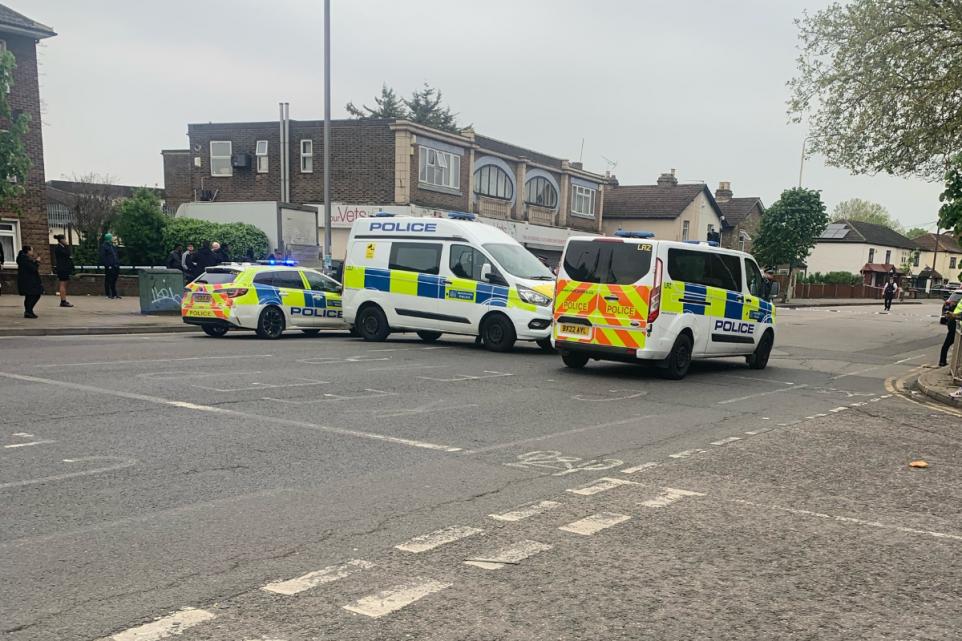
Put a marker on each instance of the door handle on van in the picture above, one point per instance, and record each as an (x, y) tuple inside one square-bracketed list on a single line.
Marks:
[(612, 298)]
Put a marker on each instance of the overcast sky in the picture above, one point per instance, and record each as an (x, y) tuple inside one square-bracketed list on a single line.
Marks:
[(651, 85)]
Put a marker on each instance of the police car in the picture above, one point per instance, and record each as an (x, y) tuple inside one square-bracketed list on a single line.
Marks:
[(445, 275), (267, 298), (634, 298)]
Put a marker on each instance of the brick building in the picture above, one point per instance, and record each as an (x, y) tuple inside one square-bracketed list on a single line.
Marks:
[(24, 222), (743, 217), (391, 165)]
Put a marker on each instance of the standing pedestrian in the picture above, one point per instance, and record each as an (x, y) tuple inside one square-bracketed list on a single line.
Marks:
[(111, 262), (889, 293), (224, 253), (205, 258), (950, 320), (217, 252), (175, 258), (63, 267), (187, 262), (28, 280)]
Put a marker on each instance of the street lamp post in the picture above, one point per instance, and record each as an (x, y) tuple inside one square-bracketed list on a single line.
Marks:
[(327, 135), (801, 162)]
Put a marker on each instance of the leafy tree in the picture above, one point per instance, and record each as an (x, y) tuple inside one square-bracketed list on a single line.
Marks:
[(881, 82), (140, 225), (915, 232), (14, 162), (865, 211), (789, 229), (950, 213), (388, 106), (425, 108)]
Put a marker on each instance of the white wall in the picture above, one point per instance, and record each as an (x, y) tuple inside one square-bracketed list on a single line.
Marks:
[(699, 215), (851, 257)]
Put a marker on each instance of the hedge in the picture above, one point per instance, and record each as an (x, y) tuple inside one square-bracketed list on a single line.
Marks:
[(241, 239)]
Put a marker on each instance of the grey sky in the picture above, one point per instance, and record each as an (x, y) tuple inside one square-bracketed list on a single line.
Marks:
[(693, 85)]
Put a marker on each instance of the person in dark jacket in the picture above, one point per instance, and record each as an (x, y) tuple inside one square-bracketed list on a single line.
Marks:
[(111, 262), (175, 258), (28, 280), (205, 258), (218, 253), (63, 267)]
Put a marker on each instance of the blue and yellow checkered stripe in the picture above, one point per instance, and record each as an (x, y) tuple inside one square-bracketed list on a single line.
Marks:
[(691, 298)]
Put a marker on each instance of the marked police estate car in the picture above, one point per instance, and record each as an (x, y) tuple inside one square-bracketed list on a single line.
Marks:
[(265, 298)]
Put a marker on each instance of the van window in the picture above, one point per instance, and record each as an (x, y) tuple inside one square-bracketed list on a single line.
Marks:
[(320, 283), (466, 262), (605, 262), (705, 268), (755, 278), (518, 261), (424, 258), (288, 280)]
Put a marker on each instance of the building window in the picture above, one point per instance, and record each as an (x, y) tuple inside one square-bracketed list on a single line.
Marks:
[(220, 151), (539, 191), (439, 168), (261, 153), (915, 259), (684, 229), (582, 201), (493, 182), (888, 256), (10, 241), (871, 255), (952, 263), (307, 156)]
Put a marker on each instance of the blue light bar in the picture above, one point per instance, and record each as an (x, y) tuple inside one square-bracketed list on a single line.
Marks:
[(461, 215), (621, 233), (710, 243), (383, 214)]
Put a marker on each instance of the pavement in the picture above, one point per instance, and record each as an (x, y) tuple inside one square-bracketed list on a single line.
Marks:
[(845, 302), (939, 385), (90, 315), (325, 488)]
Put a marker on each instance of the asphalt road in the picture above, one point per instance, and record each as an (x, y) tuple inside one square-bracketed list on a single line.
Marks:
[(326, 488)]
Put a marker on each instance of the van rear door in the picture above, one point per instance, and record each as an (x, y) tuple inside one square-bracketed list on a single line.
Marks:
[(603, 292)]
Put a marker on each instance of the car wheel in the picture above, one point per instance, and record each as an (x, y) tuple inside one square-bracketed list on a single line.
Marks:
[(545, 344), (372, 324), (574, 360), (498, 335), (429, 337), (215, 331), (679, 360), (311, 332), (759, 359), (270, 324)]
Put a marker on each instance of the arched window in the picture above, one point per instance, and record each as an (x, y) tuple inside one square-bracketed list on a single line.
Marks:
[(493, 182), (539, 191)]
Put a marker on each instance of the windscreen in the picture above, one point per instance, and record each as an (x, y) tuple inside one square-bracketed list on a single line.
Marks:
[(518, 261), (610, 263), (216, 278)]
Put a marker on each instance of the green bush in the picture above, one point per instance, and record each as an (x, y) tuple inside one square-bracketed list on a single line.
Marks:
[(832, 278), (242, 239), (140, 224)]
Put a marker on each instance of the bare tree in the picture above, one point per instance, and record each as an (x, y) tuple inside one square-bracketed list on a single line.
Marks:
[(91, 201)]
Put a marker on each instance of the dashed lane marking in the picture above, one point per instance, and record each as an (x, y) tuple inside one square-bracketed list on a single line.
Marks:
[(640, 468), (510, 555), (601, 485), (160, 360), (320, 577), (124, 462), (685, 453), (758, 431), (759, 394), (22, 434), (594, 523), (726, 441), (437, 538), (526, 511), (838, 409), (393, 599), (668, 496), (31, 443), (168, 626)]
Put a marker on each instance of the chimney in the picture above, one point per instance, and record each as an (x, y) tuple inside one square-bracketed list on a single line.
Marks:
[(613, 180), (667, 180), (724, 192), (577, 165)]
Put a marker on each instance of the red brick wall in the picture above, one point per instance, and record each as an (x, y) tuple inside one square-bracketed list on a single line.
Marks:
[(177, 179), (31, 208)]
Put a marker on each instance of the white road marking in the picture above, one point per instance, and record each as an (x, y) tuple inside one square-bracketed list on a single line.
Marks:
[(759, 431), (763, 380), (236, 413), (640, 468), (437, 538), (685, 453), (331, 398), (467, 377), (601, 485), (577, 430), (60, 477), (161, 360), (393, 599), (526, 511), (607, 399), (22, 435), (857, 404), (509, 555), (751, 396), (669, 496), (848, 519), (327, 360), (168, 626), (726, 441), (42, 442), (320, 577), (594, 523), (405, 368), (875, 367), (838, 409), (258, 385)]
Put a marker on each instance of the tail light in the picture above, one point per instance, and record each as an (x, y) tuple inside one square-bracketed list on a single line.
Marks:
[(235, 292), (654, 301)]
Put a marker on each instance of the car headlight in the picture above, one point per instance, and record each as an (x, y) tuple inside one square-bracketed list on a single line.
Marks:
[(532, 297)]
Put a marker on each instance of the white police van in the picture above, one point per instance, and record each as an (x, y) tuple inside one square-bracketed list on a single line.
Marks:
[(444, 275)]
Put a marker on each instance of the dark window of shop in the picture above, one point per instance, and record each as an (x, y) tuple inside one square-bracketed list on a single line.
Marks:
[(539, 191), (493, 182), (424, 258), (705, 268)]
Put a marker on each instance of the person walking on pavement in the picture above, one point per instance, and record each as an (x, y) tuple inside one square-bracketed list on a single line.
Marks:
[(63, 267), (891, 289), (28, 280), (111, 262), (174, 258)]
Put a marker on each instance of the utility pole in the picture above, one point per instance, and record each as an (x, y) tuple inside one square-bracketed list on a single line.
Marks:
[(801, 164), (327, 135)]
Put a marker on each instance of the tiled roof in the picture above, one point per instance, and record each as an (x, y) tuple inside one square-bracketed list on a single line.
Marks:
[(513, 150), (856, 231), (947, 243), (10, 18), (651, 201), (878, 268), (737, 209)]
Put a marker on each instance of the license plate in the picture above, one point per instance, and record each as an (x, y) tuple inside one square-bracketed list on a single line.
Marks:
[(201, 313), (568, 329), (201, 298)]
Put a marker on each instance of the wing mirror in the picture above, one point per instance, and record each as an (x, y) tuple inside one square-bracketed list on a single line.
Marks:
[(487, 272), (773, 289)]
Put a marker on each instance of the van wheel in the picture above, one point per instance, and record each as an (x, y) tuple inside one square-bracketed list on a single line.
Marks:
[(215, 331), (311, 332), (429, 337), (498, 334), (545, 344), (270, 324), (574, 360), (679, 360), (352, 332), (372, 324), (759, 359)]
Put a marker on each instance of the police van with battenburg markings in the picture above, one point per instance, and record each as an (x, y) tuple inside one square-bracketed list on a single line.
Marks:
[(634, 298), (445, 275)]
